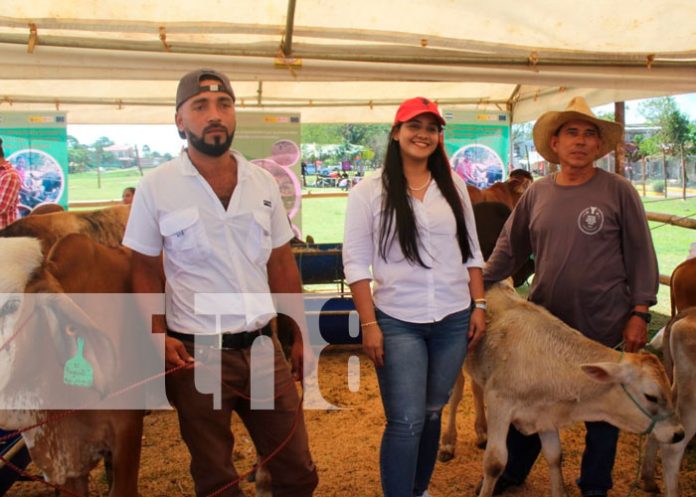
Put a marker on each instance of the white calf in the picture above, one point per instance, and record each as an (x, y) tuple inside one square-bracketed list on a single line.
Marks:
[(539, 374)]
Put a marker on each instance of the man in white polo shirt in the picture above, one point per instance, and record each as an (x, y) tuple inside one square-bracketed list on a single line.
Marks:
[(220, 223)]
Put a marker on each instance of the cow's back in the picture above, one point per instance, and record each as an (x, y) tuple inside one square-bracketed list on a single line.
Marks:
[(683, 286), (105, 226), (530, 352)]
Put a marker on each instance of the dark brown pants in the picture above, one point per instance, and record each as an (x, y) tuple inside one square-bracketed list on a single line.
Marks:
[(208, 434)]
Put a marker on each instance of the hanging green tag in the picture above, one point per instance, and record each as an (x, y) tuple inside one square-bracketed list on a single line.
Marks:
[(78, 371)]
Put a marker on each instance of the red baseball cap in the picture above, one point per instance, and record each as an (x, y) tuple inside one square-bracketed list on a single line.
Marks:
[(415, 107)]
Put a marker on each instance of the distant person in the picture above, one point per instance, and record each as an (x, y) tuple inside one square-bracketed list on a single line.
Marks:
[(10, 184), (304, 174), (127, 195), (344, 182)]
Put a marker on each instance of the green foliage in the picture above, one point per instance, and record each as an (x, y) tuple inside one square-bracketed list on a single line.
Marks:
[(655, 110), (650, 146), (344, 141), (323, 134), (658, 186), (676, 133), (78, 155)]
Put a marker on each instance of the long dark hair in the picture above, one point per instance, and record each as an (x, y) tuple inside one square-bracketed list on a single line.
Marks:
[(397, 206)]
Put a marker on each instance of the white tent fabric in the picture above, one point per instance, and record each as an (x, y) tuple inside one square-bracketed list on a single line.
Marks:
[(109, 61)]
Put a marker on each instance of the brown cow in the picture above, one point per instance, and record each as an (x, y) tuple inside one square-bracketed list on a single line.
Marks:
[(682, 345), (507, 192), (682, 293), (682, 286), (47, 208), (66, 448), (540, 375), (105, 226)]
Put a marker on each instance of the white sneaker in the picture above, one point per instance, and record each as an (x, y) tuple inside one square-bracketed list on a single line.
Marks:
[(425, 494)]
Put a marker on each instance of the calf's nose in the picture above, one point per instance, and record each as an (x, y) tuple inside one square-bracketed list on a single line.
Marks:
[(678, 436)]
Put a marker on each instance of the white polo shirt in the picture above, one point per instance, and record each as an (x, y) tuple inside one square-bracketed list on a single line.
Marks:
[(402, 289), (210, 251)]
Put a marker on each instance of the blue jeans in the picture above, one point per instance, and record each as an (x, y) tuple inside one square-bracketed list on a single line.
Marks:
[(421, 364), (597, 459)]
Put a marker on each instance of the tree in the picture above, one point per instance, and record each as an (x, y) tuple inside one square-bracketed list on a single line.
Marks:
[(675, 134), (100, 156), (655, 110), (323, 134), (78, 155)]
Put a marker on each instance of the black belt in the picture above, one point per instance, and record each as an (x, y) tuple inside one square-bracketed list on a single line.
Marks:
[(233, 341)]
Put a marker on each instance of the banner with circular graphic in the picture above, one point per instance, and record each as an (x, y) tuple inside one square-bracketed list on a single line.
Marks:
[(272, 141), (478, 145), (35, 143)]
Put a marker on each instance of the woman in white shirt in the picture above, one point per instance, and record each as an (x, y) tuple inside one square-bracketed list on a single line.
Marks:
[(410, 231)]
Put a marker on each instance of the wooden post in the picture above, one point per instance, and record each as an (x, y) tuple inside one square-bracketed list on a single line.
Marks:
[(137, 160), (620, 151), (642, 162), (664, 169), (683, 172)]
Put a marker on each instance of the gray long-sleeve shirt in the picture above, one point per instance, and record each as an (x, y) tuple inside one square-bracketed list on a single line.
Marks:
[(593, 252)]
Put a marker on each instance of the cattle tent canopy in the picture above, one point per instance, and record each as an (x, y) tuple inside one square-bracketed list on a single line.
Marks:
[(108, 61)]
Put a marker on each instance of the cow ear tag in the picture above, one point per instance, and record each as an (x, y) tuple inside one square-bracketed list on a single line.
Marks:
[(78, 371)]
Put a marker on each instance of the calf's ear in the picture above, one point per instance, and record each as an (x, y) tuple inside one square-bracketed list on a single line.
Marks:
[(607, 372)]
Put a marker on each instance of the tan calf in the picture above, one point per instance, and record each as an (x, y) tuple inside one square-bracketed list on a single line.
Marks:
[(682, 344), (539, 374)]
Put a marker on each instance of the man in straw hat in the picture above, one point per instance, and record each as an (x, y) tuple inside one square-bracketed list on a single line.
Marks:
[(596, 267)]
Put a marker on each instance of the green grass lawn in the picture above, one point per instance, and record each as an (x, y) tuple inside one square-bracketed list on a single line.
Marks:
[(85, 186)]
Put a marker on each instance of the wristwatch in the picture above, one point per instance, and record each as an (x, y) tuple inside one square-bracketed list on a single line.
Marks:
[(645, 316), (480, 304)]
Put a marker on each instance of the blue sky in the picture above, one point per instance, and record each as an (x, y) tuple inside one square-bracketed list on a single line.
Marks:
[(164, 138)]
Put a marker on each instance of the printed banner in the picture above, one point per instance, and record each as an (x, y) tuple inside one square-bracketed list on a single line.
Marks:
[(36, 145), (272, 141), (478, 145)]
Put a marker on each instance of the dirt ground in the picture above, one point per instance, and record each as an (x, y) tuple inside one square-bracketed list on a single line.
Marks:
[(345, 445)]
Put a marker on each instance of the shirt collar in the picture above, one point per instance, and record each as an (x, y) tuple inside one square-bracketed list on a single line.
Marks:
[(188, 169)]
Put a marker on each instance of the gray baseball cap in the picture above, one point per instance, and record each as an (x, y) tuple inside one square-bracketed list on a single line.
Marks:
[(190, 85)]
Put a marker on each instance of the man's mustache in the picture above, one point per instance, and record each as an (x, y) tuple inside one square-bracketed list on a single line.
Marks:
[(215, 127)]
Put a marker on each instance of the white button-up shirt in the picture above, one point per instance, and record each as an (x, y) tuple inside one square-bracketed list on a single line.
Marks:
[(403, 289), (208, 250)]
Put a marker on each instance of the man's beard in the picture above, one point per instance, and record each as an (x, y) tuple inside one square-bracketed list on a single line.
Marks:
[(213, 150)]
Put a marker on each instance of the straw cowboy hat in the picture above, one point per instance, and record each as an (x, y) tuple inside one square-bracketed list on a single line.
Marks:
[(550, 122)]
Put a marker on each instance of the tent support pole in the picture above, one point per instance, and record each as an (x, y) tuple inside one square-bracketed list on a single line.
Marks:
[(511, 112), (289, 27), (620, 152)]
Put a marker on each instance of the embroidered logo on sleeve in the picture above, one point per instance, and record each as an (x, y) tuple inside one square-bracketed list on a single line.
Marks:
[(267, 203), (591, 220)]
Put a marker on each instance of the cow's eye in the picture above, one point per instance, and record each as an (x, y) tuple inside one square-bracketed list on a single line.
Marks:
[(10, 307), (651, 398)]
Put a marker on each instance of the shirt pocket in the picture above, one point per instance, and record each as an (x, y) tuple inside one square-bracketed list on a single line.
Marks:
[(259, 243), (185, 239)]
